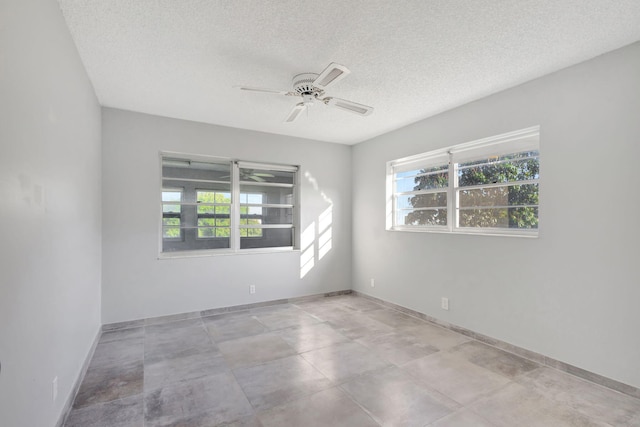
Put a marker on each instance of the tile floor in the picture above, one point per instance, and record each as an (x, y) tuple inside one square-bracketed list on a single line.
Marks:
[(338, 361)]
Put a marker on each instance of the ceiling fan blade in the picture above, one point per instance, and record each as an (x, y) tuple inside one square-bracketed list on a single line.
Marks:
[(262, 90), (332, 74), (295, 112), (350, 106), (265, 175), (256, 178)]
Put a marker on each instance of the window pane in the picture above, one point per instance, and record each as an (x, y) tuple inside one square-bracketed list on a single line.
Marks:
[(428, 217), (222, 222), (171, 196), (432, 200), (171, 232), (500, 196), (251, 232), (171, 209), (254, 198), (271, 216), (266, 175), (251, 210), (223, 232), (223, 210), (271, 238), (268, 195), (250, 221), (206, 222), (405, 184), (510, 218), (423, 179), (207, 232), (212, 197), (511, 168)]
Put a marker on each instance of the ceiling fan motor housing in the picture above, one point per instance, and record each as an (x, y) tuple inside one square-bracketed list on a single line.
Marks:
[(303, 84)]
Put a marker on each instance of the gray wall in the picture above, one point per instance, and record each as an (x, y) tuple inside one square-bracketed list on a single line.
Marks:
[(136, 284), (571, 294), (50, 217)]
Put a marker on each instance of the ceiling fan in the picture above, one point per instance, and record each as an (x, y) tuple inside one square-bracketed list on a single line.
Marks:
[(311, 86), (251, 174), (247, 174)]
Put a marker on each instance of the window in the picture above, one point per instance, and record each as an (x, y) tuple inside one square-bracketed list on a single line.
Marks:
[(171, 213), (250, 214), (266, 206), (227, 206), (488, 186), (214, 214)]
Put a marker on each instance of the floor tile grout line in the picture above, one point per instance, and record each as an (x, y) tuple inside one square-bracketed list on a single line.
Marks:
[(492, 343), (373, 417), (235, 378), (341, 384)]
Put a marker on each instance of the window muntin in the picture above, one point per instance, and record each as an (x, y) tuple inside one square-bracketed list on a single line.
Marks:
[(216, 204), (213, 214), (251, 212), (494, 190)]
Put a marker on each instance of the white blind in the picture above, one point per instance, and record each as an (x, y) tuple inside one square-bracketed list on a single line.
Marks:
[(420, 161), (526, 140), (266, 166)]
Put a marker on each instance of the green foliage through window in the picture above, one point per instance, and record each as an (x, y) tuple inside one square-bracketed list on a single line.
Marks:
[(457, 189)]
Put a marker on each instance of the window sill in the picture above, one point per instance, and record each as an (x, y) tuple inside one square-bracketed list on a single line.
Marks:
[(484, 232), (223, 252)]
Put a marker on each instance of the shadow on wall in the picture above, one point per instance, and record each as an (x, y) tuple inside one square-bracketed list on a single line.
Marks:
[(315, 240)]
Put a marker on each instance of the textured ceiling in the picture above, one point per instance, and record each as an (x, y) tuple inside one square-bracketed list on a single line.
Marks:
[(408, 59)]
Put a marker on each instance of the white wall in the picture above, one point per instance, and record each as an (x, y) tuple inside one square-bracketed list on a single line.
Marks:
[(573, 293), (136, 284), (50, 216)]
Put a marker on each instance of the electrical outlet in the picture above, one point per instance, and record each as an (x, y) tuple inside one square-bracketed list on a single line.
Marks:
[(252, 289), (373, 283), (445, 303), (55, 388)]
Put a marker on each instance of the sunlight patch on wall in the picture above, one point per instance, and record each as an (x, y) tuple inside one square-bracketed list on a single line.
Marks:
[(324, 232), (389, 204), (307, 258), (317, 238)]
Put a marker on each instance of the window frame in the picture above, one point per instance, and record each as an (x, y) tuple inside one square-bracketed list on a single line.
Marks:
[(235, 211), (178, 215), (261, 216), (521, 141)]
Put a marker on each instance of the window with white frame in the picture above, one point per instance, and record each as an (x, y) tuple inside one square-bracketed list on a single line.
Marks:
[(490, 186), (171, 213), (227, 206)]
